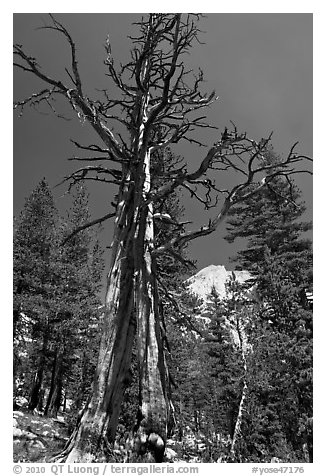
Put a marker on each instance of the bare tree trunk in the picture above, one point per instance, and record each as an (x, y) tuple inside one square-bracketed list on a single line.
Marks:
[(154, 408), (54, 398), (64, 405), (79, 399), (98, 422), (96, 429), (35, 399), (153, 405), (132, 299), (132, 274), (243, 349)]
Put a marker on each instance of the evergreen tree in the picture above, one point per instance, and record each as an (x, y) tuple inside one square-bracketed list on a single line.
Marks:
[(56, 303), (271, 221), (279, 414), (78, 308), (34, 239)]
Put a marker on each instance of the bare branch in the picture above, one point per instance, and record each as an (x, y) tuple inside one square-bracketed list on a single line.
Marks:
[(34, 68), (88, 225), (161, 99), (57, 26), (95, 148), (82, 106), (240, 192), (87, 159), (92, 147), (207, 201)]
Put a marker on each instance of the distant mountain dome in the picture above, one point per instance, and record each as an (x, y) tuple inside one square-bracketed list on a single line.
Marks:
[(217, 276), (214, 275)]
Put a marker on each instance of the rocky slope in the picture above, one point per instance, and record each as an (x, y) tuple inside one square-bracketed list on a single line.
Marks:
[(36, 437)]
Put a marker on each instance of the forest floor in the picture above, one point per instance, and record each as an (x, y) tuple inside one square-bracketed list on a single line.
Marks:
[(38, 438)]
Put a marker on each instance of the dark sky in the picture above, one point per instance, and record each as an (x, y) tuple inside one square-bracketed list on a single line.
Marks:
[(260, 66)]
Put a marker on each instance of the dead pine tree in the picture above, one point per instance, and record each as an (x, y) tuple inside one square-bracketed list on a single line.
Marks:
[(158, 104)]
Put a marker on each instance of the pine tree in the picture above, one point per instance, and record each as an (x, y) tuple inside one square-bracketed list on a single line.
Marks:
[(78, 307), (56, 303), (279, 414), (271, 221), (34, 239)]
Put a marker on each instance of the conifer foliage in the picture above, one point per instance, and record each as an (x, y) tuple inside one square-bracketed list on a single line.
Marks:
[(279, 414), (34, 280), (244, 377), (56, 314)]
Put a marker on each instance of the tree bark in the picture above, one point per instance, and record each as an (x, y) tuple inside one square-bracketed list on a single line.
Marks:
[(97, 425), (96, 428), (54, 398), (154, 407), (131, 301), (243, 348), (35, 399)]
